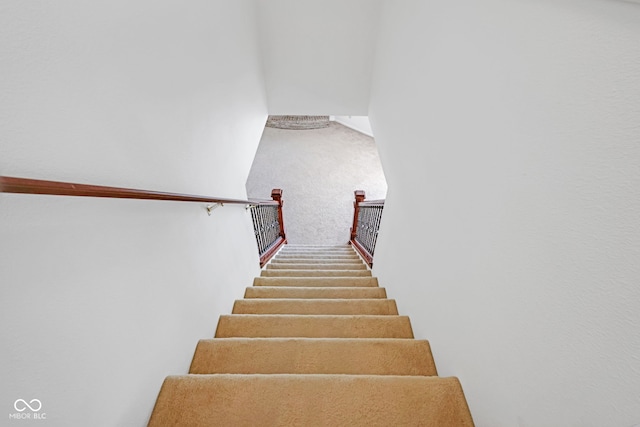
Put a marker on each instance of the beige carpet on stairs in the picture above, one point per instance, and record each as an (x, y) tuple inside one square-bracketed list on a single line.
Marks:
[(314, 342)]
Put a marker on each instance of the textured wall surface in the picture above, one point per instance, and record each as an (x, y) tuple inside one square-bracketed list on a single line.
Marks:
[(509, 135), (101, 299)]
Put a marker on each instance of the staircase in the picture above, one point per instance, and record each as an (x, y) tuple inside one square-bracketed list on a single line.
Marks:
[(314, 342)]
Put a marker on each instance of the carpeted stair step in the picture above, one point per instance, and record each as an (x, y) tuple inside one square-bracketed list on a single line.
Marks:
[(316, 256), (310, 400), (289, 248), (299, 246), (315, 273), (314, 261), (360, 356), (316, 306), (315, 342), (324, 266), (313, 326), (286, 249), (317, 281), (315, 292)]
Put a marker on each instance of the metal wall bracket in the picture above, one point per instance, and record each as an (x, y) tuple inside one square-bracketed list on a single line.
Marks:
[(210, 208)]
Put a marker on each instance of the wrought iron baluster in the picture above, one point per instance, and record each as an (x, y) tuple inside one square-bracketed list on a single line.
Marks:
[(255, 225), (363, 227), (366, 223), (372, 231), (378, 216), (258, 228), (267, 226), (272, 221)]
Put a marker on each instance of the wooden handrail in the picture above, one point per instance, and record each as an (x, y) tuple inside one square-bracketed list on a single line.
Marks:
[(372, 203), (9, 184)]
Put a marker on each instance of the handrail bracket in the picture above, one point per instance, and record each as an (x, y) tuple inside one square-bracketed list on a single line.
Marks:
[(211, 208)]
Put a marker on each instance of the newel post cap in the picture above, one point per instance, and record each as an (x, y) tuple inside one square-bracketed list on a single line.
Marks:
[(276, 194)]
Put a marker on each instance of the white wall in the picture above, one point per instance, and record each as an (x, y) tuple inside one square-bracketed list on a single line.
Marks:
[(509, 134), (317, 56), (101, 299), (359, 123)]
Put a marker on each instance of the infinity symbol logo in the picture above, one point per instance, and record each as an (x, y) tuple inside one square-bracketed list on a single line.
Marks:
[(26, 405)]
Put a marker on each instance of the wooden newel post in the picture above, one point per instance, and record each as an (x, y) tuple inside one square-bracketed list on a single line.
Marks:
[(276, 195), (356, 210)]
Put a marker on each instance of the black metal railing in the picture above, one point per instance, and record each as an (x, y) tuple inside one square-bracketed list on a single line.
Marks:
[(366, 223), (268, 226)]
